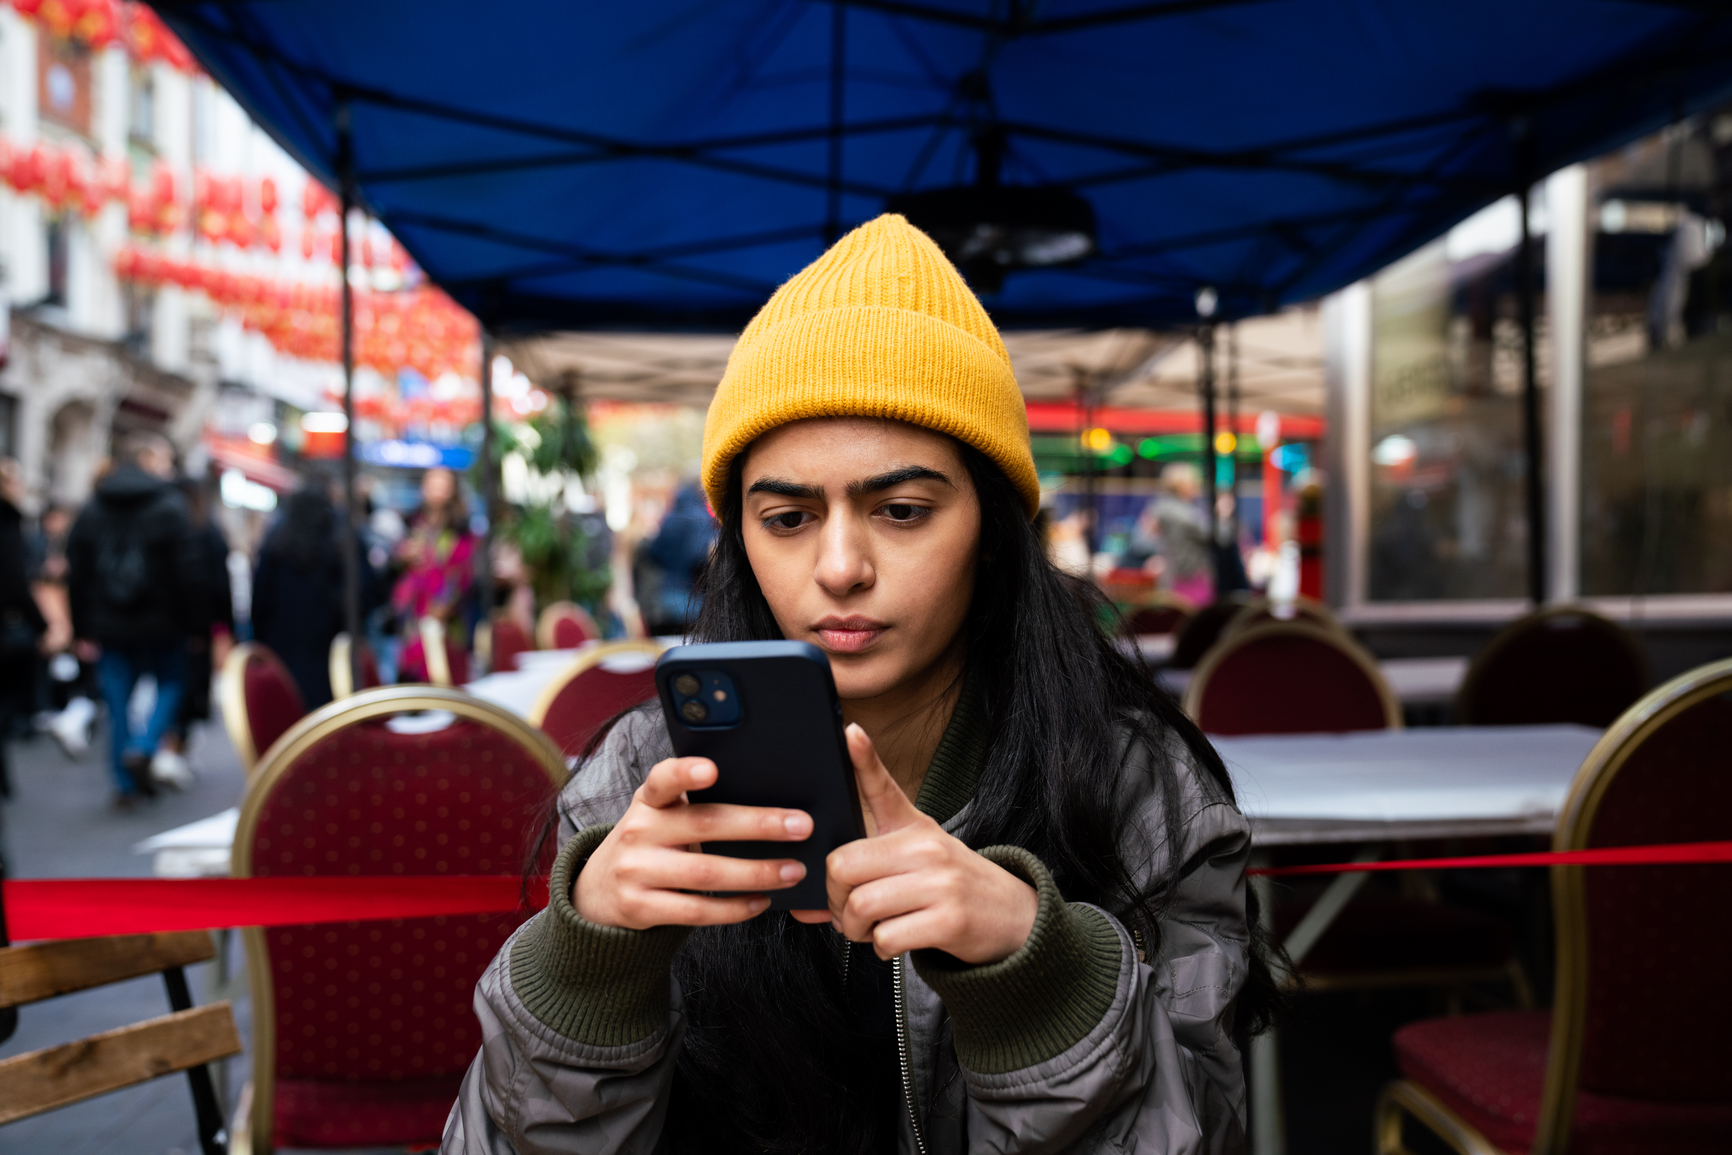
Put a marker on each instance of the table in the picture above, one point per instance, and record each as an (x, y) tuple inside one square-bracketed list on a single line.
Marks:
[(1414, 681), (1364, 789)]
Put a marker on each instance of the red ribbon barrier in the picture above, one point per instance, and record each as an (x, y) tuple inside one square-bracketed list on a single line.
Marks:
[(93, 907), (1666, 855)]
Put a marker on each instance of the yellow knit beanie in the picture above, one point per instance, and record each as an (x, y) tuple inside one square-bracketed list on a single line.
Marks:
[(881, 325)]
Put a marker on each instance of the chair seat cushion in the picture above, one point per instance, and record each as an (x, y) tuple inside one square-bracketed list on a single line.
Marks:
[(1490, 1069), (1389, 933), (383, 1113)]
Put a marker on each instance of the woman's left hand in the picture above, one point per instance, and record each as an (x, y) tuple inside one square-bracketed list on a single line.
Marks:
[(910, 886)]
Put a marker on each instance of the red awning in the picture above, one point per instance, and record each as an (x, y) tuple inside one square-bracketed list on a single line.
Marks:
[(265, 471)]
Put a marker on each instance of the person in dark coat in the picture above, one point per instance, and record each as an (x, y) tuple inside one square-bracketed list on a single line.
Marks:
[(216, 626), (21, 621), (298, 591), (137, 594)]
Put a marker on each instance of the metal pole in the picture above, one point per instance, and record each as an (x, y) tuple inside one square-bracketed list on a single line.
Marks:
[(1091, 516), (352, 523), (489, 476), (1233, 427), (1206, 392), (1531, 402), (838, 84)]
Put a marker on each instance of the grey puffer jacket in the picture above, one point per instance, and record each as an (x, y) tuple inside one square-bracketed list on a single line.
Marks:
[(1074, 1043)]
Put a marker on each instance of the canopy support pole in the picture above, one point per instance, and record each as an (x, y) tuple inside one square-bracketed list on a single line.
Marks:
[(1206, 392), (1233, 429), (489, 477), (833, 179), (351, 520), (1536, 509)]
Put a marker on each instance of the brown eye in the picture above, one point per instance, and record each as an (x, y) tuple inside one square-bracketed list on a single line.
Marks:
[(903, 512), (793, 519)]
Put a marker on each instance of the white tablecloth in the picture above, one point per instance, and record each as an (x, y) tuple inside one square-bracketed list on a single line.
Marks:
[(1415, 783)]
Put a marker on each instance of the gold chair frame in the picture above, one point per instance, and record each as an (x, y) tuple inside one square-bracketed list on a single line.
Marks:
[(552, 612), (1522, 626), (1569, 902), (232, 697), (252, 1132), (339, 667), (584, 661), (1315, 613), (432, 632), (1336, 638)]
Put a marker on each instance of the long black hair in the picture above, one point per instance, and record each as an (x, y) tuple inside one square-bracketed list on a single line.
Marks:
[(306, 537), (769, 1061)]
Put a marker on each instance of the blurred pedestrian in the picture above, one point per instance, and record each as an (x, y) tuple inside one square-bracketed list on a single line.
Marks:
[(208, 644), (298, 590), (21, 622), (67, 687), (1182, 531), (437, 558), (679, 550), (136, 594)]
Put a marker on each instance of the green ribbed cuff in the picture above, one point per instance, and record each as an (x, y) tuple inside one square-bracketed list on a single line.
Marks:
[(1039, 1002), (606, 986)]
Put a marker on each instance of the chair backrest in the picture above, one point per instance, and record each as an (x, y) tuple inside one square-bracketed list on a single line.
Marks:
[(1565, 664), (259, 700), (1642, 1010), (341, 673), (565, 626), (1158, 612), (384, 1005), (447, 661), (507, 639), (1290, 678), (1261, 611), (596, 686), (184, 1040), (1203, 629)]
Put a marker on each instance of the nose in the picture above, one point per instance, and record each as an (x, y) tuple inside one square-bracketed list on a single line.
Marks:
[(844, 562)]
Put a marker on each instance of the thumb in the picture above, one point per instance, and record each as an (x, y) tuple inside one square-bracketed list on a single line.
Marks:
[(889, 806)]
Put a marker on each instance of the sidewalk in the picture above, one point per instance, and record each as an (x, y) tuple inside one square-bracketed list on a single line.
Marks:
[(58, 825)]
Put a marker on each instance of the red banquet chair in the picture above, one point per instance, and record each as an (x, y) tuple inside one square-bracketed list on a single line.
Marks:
[(260, 701), (342, 672), (1158, 612), (1203, 629), (1262, 611), (498, 642), (1290, 678), (1632, 1056), (565, 626), (596, 686), (362, 1030), (1564, 664)]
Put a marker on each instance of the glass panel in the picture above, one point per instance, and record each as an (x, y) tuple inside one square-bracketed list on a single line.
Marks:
[(1657, 395), (1447, 506)]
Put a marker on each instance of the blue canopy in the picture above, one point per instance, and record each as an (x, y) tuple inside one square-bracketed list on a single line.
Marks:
[(664, 164)]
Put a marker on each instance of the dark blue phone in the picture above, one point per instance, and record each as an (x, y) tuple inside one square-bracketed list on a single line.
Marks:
[(767, 715)]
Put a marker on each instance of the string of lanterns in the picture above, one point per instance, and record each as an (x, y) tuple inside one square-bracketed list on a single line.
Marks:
[(421, 329), (99, 23)]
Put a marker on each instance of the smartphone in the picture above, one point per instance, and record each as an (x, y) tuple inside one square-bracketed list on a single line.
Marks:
[(766, 713)]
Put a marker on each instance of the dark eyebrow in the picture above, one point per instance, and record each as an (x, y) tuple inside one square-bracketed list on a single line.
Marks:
[(782, 488), (896, 477)]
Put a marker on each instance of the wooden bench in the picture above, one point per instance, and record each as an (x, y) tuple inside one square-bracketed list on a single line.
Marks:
[(184, 1040)]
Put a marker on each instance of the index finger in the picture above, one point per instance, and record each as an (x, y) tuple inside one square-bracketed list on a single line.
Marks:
[(668, 781)]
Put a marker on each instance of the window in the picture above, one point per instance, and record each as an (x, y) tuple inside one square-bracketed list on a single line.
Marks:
[(1447, 506), (141, 108), (1656, 495), (55, 243)]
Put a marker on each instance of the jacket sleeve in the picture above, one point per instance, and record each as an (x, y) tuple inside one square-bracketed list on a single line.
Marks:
[(580, 1023), (1106, 1050), (79, 562)]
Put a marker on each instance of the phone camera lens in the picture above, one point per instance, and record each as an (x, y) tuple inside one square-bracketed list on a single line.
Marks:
[(694, 711), (687, 685)]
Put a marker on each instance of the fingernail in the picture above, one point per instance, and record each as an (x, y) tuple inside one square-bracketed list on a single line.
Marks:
[(757, 905), (799, 825), (792, 871)]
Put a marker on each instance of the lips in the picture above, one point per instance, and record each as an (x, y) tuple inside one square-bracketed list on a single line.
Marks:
[(849, 635)]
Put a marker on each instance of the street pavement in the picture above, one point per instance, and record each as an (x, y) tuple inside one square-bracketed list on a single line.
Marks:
[(58, 824)]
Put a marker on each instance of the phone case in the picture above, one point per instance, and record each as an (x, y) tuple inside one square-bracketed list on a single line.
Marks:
[(785, 748)]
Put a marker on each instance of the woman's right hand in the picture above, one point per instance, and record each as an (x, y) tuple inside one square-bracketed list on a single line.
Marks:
[(639, 875)]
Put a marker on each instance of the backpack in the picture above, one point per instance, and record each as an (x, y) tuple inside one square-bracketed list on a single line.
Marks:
[(122, 569)]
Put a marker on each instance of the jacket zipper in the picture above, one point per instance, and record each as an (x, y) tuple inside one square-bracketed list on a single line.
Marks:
[(902, 1051)]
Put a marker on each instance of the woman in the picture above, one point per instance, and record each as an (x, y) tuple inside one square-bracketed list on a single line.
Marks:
[(298, 591), (1042, 944), (21, 622), (438, 560)]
